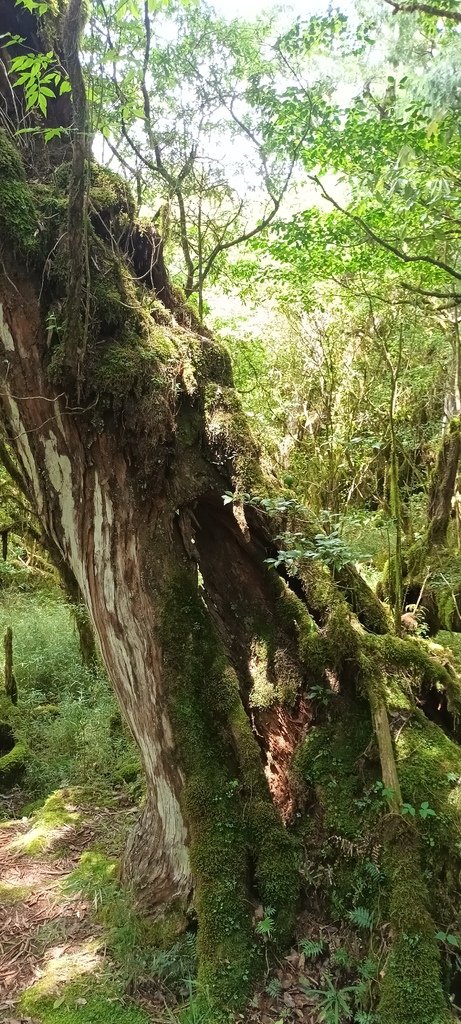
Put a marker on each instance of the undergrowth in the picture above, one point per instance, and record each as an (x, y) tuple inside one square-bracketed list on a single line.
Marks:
[(66, 713)]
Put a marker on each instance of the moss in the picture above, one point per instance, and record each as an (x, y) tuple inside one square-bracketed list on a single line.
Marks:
[(417, 668), (226, 802), (214, 363), (327, 760), (290, 612), (366, 605), (229, 437), (411, 991), (110, 196), (447, 609), (11, 893), (75, 1004), (42, 710), (426, 761), (273, 851), (225, 942), (18, 217), (48, 822), (13, 764)]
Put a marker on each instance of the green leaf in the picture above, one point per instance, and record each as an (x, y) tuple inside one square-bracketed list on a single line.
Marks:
[(425, 811), (42, 103)]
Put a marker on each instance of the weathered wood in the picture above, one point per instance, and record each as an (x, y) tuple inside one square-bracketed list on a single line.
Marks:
[(386, 754)]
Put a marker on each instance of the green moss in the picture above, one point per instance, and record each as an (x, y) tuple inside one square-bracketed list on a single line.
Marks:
[(229, 437), (446, 607), (426, 760), (366, 605), (13, 764), (226, 802), (411, 991), (225, 942), (18, 217), (214, 363), (110, 196), (11, 893), (273, 850), (48, 822), (414, 666), (75, 1004), (327, 760)]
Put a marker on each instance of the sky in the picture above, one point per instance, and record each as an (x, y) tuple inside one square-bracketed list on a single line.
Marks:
[(251, 8)]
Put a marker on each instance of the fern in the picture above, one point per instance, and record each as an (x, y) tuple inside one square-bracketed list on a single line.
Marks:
[(361, 917), (311, 949)]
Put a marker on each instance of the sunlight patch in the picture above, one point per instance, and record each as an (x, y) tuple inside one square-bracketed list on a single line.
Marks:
[(62, 967)]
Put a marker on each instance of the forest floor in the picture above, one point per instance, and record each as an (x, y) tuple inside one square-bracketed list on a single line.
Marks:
[(56, 962)]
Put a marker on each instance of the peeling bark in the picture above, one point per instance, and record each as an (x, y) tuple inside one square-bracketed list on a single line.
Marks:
[(84, 497)]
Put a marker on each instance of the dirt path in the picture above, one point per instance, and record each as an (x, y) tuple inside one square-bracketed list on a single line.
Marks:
[(43, 927)]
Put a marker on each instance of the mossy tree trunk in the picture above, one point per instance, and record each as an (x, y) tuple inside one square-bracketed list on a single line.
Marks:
[(442, 485)]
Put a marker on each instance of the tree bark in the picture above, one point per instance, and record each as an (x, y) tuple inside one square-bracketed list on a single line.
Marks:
[(442, 485)]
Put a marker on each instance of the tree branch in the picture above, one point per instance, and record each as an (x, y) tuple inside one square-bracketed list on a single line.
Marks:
[(418, 8), (422, 258)]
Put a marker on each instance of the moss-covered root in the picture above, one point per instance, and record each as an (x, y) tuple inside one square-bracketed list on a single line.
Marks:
[(412, 990)]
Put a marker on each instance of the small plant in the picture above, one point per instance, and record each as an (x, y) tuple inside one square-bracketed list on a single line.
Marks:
[(335, 1004), (448, 939), (265, 927), (361, 917), (312, 949), (341, 957), (321, 694), (273, 988), (424, 810)]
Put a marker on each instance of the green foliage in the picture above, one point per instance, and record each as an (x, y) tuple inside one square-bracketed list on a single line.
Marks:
[(334, 1004), (64, 722), (42, 78), (361, 917)]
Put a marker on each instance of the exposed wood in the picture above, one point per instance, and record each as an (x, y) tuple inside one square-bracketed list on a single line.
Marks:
[(386, 754)]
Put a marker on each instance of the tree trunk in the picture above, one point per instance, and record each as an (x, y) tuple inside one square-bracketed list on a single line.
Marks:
[(11, 689), (442, 485), (84, 497)]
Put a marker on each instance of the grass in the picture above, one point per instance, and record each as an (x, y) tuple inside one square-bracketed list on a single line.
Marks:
[(67, 715)]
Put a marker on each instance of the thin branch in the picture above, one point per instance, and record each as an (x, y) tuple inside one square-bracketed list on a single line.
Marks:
[(423, 258), (417, 8)]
